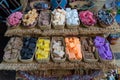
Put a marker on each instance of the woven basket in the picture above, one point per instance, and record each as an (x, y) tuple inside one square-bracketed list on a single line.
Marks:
[(56, 26), (43, 60), (102, 60), (32, 3), (24, 4), (72, 26), (71, 60), (11, 60), (12, 27), (98, 5), (44, 27), (12, 46), (63, 43), (31, 26), (105, 25), (26, 60), (82, 4), (95, 54)]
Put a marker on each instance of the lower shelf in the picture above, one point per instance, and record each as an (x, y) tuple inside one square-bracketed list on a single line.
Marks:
[(51, 65)]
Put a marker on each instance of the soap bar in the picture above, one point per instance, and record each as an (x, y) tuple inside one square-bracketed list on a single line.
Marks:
[(13, 48), (30, 18), (87, 18), (72, 16), (58, 49), (28, 48), (105, 17), (104, 50), (73, 48), (58, 17), (43, 48), (14, 19)]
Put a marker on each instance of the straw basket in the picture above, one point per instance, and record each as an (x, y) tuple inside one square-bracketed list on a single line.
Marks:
[(24, 4), (82, 4), (73, 60), (26, 60), (12, 27), (42, 60), (94, 54), (52, 54), (44, 27), (98, 5), (102, 60), (57, 26)]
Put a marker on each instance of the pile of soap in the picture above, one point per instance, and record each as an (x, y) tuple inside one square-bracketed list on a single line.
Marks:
[(29, 19), (105, 17), (43, 48), (72, 16), (44, 18), (73, 48), (58, 49), (58, 17), (87, 18), (15, 18), (28, 48), (88, 47), (103, 48), (12, 50)]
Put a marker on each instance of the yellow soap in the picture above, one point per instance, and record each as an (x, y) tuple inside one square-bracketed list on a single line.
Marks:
[(46, 49), (47, 41), (40, 40)]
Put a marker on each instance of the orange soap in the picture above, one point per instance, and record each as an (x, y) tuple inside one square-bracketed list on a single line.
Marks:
[(73, 48), (72, 56)]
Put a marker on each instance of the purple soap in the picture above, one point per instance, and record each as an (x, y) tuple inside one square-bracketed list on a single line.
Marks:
[(103, 48)]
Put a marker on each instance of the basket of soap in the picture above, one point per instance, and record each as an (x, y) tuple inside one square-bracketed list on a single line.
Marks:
[(105, 19), (29, 20), (73, 49), (44, 20), (42, 53), (12, 49), (40, 5), (104, 50), (72, 19), (90, 54), (82, 4), (28, 49), (58, 18), (87, 18), (58, 49), (14, 20)]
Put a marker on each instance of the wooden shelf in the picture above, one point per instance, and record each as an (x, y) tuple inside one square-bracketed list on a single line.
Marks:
[(20, 31), (51, 65)]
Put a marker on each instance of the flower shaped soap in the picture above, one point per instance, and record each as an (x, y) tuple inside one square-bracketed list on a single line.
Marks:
[(43, 48), (14, 19), (72, 16), (73, 48), (29, 19), (87, 18), (58, 17)]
